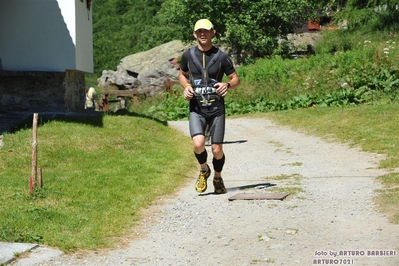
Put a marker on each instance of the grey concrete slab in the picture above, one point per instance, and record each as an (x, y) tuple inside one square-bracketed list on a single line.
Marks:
[(9, 250), (37, 256)]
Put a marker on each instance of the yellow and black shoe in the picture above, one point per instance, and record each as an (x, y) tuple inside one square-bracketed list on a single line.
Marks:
[(219, 185), (201, 184)]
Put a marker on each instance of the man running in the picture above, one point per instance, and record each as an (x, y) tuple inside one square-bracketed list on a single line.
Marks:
[(201, 72)]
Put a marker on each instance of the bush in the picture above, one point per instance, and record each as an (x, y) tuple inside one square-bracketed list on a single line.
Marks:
[(361, 70)]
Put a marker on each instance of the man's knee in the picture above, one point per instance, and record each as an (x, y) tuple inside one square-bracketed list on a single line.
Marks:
[(199, 142), (217, 150)]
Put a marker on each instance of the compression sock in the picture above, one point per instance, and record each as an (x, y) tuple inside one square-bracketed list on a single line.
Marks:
[(202, 158), (218, 164)]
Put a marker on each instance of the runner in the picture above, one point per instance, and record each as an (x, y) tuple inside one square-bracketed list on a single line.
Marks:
[(201, 72)]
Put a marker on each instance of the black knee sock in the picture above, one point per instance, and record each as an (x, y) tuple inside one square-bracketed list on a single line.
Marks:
[(202, 158), (218, 164)]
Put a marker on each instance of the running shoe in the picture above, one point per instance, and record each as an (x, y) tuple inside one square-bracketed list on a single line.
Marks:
[(201, 184), (219, 185)]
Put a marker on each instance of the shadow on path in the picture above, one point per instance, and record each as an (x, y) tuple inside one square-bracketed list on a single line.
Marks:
[(232, 189)]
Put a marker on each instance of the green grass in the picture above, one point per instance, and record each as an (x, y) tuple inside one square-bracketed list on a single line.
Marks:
[(291, 184), (373, 128), (98, 174)]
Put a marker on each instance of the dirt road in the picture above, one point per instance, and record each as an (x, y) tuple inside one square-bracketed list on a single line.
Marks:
[(329, 219)]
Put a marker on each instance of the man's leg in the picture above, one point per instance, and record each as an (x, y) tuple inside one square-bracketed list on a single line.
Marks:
[(199, 150), (218, 163), (202, 157), (217, 131), (218, 159), (197, 126)]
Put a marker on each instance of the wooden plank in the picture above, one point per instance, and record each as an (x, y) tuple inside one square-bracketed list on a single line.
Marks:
[(104, 104), (259, 196), (121, 93)]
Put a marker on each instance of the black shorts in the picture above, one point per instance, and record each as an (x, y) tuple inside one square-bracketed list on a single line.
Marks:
[(198, 124)]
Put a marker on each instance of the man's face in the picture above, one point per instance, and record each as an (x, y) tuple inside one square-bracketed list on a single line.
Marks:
[(204, 36)]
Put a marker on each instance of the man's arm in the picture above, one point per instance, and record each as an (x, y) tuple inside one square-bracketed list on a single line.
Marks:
[(224, 87), (188, 89), (234, 80)]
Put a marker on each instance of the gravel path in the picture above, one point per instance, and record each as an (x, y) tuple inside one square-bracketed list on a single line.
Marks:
[(332, 210)]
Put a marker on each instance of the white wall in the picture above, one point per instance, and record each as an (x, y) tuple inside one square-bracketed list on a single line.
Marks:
[(84, 37), (45, 35)]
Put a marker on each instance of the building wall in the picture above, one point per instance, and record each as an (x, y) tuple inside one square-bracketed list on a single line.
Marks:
[(74, 96), (46, 35), (32, 91), (45, 50), (84, 37)]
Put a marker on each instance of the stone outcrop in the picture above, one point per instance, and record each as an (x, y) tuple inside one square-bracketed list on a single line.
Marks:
[(151, 69)]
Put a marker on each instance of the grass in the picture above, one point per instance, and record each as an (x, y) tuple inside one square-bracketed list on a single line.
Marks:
[(373, 128), (291, 184), (98, 174)]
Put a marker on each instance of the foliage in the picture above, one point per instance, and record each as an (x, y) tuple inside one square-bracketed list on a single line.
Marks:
[(367, 72), (172, 105), (251, 28), (124, 27), (369, 19)]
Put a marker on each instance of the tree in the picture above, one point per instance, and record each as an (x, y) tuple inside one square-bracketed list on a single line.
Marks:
[(252, 28), (371, 15), (124, 27)]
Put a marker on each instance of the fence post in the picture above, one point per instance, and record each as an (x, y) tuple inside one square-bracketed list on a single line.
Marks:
[(33, 176)]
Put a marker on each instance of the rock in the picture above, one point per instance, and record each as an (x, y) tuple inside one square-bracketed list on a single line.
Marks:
[(304, 42), (157, 69), (154, 69)]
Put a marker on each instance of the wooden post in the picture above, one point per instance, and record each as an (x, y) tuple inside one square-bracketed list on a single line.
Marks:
[(31, 185), (34, 154)]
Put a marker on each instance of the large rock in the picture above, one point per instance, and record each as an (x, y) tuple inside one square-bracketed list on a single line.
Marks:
[(146, 70)]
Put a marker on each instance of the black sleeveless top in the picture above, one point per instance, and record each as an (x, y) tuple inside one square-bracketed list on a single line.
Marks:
[(206, 102)]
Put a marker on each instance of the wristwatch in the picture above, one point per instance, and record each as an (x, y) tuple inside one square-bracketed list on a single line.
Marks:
[(228, 85)]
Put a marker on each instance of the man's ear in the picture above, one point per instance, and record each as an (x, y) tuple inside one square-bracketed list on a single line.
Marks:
[(195, 35)]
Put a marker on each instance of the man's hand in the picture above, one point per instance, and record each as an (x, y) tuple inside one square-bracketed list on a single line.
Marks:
[(222, 88), (188, 92)]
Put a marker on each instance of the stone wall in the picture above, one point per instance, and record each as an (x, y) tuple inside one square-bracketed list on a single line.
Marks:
[(35, 91), (74, 90)]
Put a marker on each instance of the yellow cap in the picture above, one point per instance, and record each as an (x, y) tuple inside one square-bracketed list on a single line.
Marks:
[(203, 24)]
